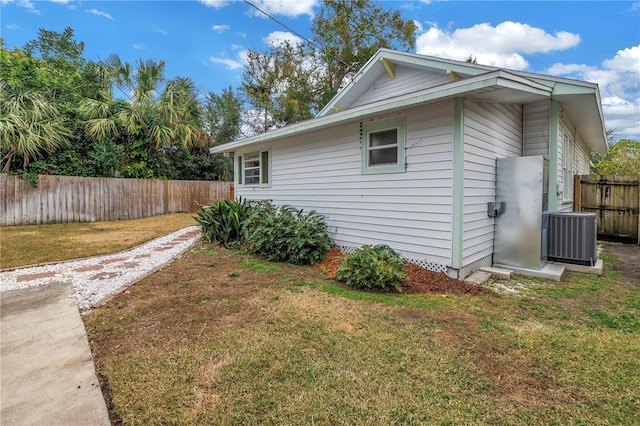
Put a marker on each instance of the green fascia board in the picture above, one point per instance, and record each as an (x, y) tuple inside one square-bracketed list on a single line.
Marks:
[(458, 88), (561, 85), (572, 89), (424, 61), (458, 184), (523, 86)]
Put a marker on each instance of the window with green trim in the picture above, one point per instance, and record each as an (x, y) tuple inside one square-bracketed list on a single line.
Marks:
[(253, 169), (383, 147)]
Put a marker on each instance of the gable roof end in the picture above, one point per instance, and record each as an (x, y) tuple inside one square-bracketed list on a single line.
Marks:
[(579, 100), (377, 66)]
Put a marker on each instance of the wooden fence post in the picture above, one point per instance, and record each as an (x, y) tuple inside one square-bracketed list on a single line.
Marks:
[(577, 193)]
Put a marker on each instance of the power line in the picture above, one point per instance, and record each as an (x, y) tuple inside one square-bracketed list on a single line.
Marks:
[(292, 30), (281, 23)]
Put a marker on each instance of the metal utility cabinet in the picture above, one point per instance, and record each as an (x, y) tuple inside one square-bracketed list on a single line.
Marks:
[(521, 224)]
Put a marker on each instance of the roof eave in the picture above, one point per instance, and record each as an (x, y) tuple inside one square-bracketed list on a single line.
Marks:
[(498, 78)]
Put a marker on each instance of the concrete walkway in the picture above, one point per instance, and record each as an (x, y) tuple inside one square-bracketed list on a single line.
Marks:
[(47, 374)]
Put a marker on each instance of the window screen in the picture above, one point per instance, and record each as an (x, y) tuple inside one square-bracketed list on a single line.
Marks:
[(383, 147)]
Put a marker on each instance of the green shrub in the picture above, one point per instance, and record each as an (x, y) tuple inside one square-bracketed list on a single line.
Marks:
[(223, 221), (286, 234), (372, 268)]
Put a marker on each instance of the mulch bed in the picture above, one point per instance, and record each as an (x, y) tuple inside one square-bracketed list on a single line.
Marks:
[(419, 279)]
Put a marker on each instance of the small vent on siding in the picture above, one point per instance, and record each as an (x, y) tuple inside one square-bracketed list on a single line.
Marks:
[(572, 238)]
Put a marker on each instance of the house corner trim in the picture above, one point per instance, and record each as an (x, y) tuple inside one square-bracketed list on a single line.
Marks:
[(458, 183), (554, 122)]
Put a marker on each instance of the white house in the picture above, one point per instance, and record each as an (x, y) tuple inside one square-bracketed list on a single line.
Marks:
[(405, 154)]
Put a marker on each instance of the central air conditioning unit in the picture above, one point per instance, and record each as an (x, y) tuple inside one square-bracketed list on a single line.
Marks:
[(572, 238)]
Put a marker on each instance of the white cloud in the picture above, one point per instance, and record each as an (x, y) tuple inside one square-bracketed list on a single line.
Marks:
[(99, 13), (502, 45), (60, 1), (419, 28), (216, 4), (160, 30), (27, 4), (231, 64), (627, 59), (139, 46), (12, 27), (619, 81), (290, 8), (278, 38), (220, 28)]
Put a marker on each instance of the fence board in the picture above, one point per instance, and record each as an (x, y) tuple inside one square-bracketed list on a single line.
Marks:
[(64, 199), (614, 199)]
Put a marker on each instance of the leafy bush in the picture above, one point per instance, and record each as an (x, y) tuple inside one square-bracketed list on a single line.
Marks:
[(223, 222), (373, 268), (287, 234)]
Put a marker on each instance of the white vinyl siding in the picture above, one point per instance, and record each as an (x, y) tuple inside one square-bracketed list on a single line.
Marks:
[(567, 167), (582, 158), (578, 164), (491, 131), (406, 80), (411, 211), (536, 128)]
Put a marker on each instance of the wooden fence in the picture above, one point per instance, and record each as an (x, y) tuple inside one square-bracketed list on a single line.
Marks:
[(63, 199), (614, 199)]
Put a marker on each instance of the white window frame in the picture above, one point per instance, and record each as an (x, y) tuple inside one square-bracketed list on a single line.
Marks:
[(264, 170), (367, 130), (568, 169)]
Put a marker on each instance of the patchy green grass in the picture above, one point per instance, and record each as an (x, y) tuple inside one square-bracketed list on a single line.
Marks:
[(257, 265), (252, 342), (33, 244)]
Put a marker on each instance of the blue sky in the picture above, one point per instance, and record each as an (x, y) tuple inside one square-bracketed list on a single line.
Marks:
[(207, 40)]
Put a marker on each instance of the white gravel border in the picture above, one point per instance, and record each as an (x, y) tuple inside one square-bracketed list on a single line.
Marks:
[(109, 274)]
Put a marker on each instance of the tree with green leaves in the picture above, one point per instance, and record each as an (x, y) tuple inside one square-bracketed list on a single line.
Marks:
[(159, 115), (223, 115), (290, 83), (164, 116), (30, 127), (623, 159), (347, 33), (51, 71), (280, 87)]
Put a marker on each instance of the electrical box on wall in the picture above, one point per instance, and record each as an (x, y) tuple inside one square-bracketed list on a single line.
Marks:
[(495, 209)]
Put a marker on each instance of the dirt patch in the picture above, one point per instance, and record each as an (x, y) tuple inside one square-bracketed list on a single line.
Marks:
[(629, 265), (419, 279)]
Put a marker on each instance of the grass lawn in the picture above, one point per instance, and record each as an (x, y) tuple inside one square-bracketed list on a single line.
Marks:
[(221, 337), (32, 244)]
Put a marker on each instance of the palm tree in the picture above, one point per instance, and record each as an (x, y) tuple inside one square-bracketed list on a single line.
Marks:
[(162, 116), (29, 127)]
